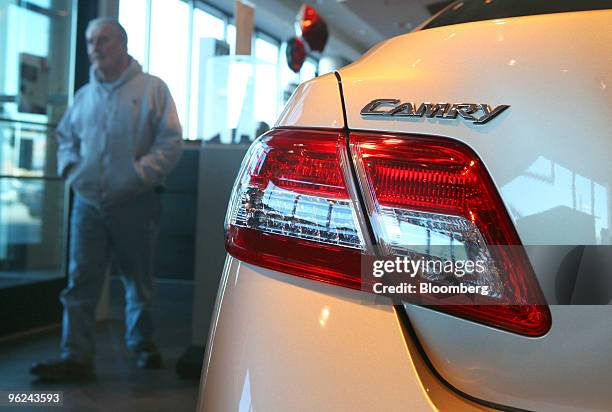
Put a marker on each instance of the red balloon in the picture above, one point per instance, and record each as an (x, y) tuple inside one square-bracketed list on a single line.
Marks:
[(296, 54), (313, 28)]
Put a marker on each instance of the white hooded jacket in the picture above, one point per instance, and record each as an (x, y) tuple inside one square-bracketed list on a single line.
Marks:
[(123, 138)]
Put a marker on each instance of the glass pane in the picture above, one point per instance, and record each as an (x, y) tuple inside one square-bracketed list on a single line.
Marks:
[(31, 230), (35, 73), (240, 81), (309, 70), (34, 54), (205, 25), (231, 113), (24, 151), (266, 51), (168, 52), (133, 18), (288, 78), (31, 207), (266, 84), (231, 38)]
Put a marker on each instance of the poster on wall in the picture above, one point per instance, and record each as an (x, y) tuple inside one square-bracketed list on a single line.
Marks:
[(33, 84)]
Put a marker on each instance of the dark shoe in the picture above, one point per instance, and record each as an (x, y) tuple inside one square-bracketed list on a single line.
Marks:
[(148, 358), (62, 370)]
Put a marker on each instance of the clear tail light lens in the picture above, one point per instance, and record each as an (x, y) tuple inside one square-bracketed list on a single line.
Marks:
[(291, 211), (432, 198)]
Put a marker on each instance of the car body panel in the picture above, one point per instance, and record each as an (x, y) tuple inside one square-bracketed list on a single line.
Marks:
[(566, 370), (548, 155), (285, 343), (314, 104), (559, 89)]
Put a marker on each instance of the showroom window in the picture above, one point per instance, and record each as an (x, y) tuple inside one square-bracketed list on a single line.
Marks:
[(267, 85), (134, 16), (175, 28), (230, 36), (205, 25), (309, 70), (169, 57), (36, 47)]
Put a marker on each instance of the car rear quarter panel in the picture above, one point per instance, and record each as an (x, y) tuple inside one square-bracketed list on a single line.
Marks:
[(548, 155), (283, 343)]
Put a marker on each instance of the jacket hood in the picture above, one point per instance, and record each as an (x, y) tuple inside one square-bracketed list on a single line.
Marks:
[(132, 71)]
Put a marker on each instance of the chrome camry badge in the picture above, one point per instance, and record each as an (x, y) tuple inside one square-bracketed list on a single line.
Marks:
[(477, 113)]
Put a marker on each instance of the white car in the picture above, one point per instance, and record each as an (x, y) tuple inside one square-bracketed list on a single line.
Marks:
[(485, 133)]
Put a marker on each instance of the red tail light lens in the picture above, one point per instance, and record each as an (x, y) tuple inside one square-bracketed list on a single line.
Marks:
[(432, 197), (291, 211)]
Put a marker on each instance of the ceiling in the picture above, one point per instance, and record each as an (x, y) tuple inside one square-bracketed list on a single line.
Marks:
[(378, 19), (355, 25)]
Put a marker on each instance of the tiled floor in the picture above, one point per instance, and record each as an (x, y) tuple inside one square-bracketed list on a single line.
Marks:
[(119, 385)]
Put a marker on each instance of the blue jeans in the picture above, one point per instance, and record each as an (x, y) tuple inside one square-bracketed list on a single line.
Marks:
[(126, 232)]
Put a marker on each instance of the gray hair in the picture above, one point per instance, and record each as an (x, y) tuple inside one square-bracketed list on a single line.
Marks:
[(110, 21)]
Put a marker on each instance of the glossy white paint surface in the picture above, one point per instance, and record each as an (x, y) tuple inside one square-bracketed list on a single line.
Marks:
[(315, 103), (282, 343), (549, 153), (568, 370), (279, 346)]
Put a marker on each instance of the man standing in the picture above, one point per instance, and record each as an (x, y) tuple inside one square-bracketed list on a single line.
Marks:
[(117, 143)]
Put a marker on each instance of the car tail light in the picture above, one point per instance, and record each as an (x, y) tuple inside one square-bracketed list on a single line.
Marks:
[(432, 198), (291, 210)]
